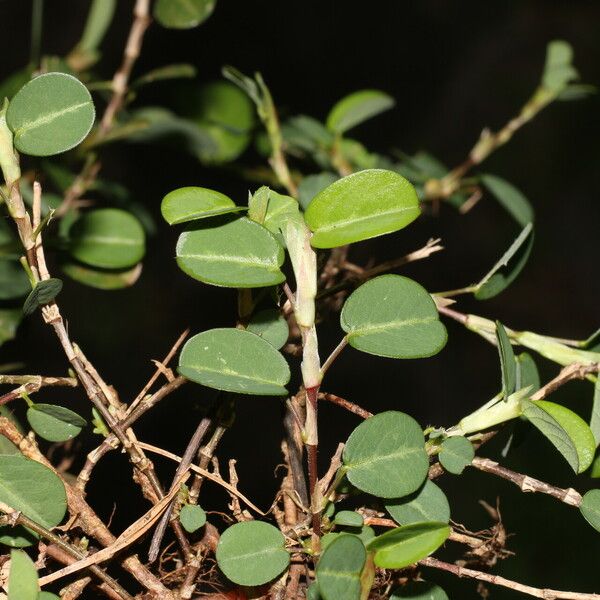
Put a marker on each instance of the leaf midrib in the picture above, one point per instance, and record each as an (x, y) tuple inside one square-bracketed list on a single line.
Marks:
[(48, 118)]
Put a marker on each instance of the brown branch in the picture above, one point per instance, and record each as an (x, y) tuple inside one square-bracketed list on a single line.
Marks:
[(546, 594), (572, 371), (526, 483), (350, 406)]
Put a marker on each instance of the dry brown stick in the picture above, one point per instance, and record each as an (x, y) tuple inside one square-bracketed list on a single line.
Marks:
[(350, 406), (82, 514), (546, 594), (526, 483), (572, 371), (15, 517)]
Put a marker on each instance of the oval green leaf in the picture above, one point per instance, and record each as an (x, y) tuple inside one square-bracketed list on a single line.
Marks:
[(508, 366), (183, 14), (270, 325), (231, 253), (192, 203), (252, 553), (44, 292), (348, 518), (419, 590), (22, 578), (48, 596), (590, 508), (107, 238), (192, 517), (340, 567), (361, 206), (456, 453), (51, 114), (393, 316), (356, 108), (429, 503), (510, 198), (102, 279), (407, 545), (567, 432), (55, 423), (45, 503), (234, 360), (311, 185), (385, 455), (527, 373)]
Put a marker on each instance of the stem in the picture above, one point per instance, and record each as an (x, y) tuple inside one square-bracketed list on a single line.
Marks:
[(37, 23), (337, 351)]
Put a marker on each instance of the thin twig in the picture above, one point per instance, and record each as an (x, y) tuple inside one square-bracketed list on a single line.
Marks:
[(350, 406), (546, 594)]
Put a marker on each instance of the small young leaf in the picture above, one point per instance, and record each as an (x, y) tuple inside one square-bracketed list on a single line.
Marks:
[(567, 431), (311, 185), (419, 590), (356, 108), (55, 423), (360, 206), (51, 114), (280, 209), (428, 503), (234, 360), (178, 71), (595, 419), (385, 455), (99, 19), (22, 578), (495, 281), (231, 253), (270, 325), (339, 569), (102, 279), (456, 453), (393, 316), (558, 71), (107, 238), (183, 14), (511, 199), (192, 203), (590, 508), (407, 545), (348, 518), (364, 533), (192, 517), (44, 292), (45, 502), (508, 365), (252, 553), (527, 373)]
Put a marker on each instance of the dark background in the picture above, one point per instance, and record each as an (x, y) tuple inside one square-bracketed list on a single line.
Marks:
[(454, 67)]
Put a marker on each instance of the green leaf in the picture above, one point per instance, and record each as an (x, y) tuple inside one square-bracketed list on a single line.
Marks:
[(590, 508), (22, 578), (510, 198), (356, 108), (428, 503), (567, 432), (108, 238), (234, 360), (558, 70), (252, 553), (311, 185), (45, 502), (98, 21), (407, 545), (231, 252), (9, 321), (393, 316), (51, 114), (595, 419), (385, 455), (508, 365), (47, 596), (419, 590), (595, 470), (495, 281), (364, 533), (348, 518), (271, 326), (55, 423), (13, 280), (192, 203), (102, 279), (178, 71), (339, 569), (183, 14), (456, 453), (280, 209), (527, 373), (192, 517), (44, 292), (360, 206)]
